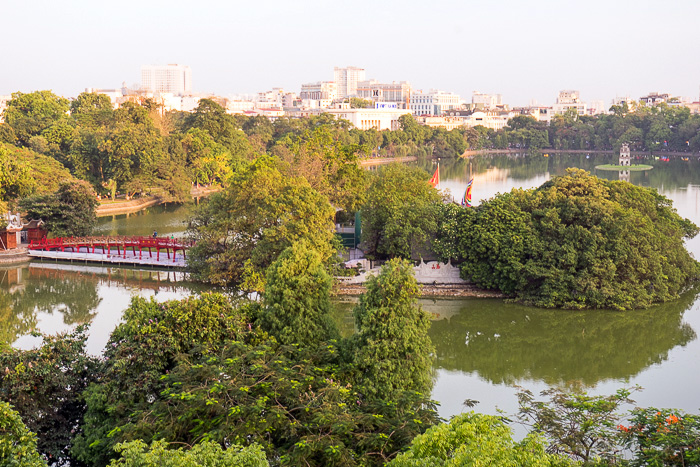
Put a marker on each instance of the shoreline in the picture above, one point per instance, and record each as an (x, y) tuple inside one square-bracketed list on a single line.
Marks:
[(387, 160), (14, 256), (428, 291), (477, 152), (114, 208)]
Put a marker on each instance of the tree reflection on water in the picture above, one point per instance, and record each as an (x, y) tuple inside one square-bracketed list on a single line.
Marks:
[(505, 343)]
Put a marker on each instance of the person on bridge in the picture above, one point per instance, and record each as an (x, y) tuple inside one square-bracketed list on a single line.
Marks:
[(155, 234)]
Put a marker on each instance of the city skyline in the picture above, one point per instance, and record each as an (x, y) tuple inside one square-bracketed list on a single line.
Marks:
[(521, 50)]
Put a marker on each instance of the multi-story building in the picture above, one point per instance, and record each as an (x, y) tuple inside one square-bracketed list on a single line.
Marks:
[(347, 79), (384, 92), (569, 99), (486, 101), (321, 90), (433, 102), (273, 99), (176, 79)]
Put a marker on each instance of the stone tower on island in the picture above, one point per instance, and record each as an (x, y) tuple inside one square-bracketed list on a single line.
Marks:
[(624, 155)]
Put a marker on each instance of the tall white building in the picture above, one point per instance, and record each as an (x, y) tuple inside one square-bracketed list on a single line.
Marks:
[(347, 79), (434, 102), (176, 79)]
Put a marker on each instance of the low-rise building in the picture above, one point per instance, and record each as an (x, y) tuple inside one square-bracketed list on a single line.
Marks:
[(654, 98), (385, 116), (449, 123), (538, 112), (489, 119)]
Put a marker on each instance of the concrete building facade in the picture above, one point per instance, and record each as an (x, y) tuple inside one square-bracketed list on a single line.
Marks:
[(321, 90), (433, 102), (384, 92), (486, 101), (347, 79), (382, 117), (569, 99), (176, 79)]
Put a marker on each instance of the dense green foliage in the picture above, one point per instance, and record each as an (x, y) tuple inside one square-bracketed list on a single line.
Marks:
[(401, 213), (575, 242), (138, 454), (472, 439), (201, 370), (392, 349), (17, 443), (24, 172), (70, 211), (296, 301), (241, 230), (140, 351), (650, 128), (45, 386)]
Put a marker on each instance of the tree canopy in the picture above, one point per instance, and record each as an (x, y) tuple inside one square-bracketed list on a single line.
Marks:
[(472, 439), (70, 211), (575, 242), (296, 300), (392, 347), (401, 213), (17, 443), (241, 231)]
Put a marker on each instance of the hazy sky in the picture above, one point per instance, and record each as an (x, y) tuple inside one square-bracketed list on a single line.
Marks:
[(521, 49)]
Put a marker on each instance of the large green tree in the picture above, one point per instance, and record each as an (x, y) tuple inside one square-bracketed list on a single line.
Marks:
[(392, 349), (207, 453), (28, 114), (575, 242), (140, 351), (471, 440), (70, 211), (241, 231), (45, 386), (400, 214), (296, 300)]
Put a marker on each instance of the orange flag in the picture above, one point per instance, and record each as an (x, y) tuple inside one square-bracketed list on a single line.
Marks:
[(435, 179)]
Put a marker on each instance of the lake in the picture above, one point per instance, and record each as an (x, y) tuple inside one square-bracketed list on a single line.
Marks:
[(485, 347)]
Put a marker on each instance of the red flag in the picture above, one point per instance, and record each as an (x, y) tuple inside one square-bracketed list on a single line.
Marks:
[(435, 179)]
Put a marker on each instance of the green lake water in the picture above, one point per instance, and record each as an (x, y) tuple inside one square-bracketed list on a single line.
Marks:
[(485, 347)]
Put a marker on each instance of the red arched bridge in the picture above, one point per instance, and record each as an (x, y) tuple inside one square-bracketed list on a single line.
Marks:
[(102, 249)]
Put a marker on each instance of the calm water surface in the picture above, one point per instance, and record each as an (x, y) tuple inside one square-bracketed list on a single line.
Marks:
[(484, 347)]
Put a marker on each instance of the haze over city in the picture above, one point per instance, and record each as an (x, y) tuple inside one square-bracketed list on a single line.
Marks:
[(522, 50)]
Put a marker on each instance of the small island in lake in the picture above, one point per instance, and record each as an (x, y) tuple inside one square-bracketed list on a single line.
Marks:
[(624, 162)]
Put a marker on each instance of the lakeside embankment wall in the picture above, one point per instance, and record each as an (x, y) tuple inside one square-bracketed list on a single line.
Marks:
[(113, 208)]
